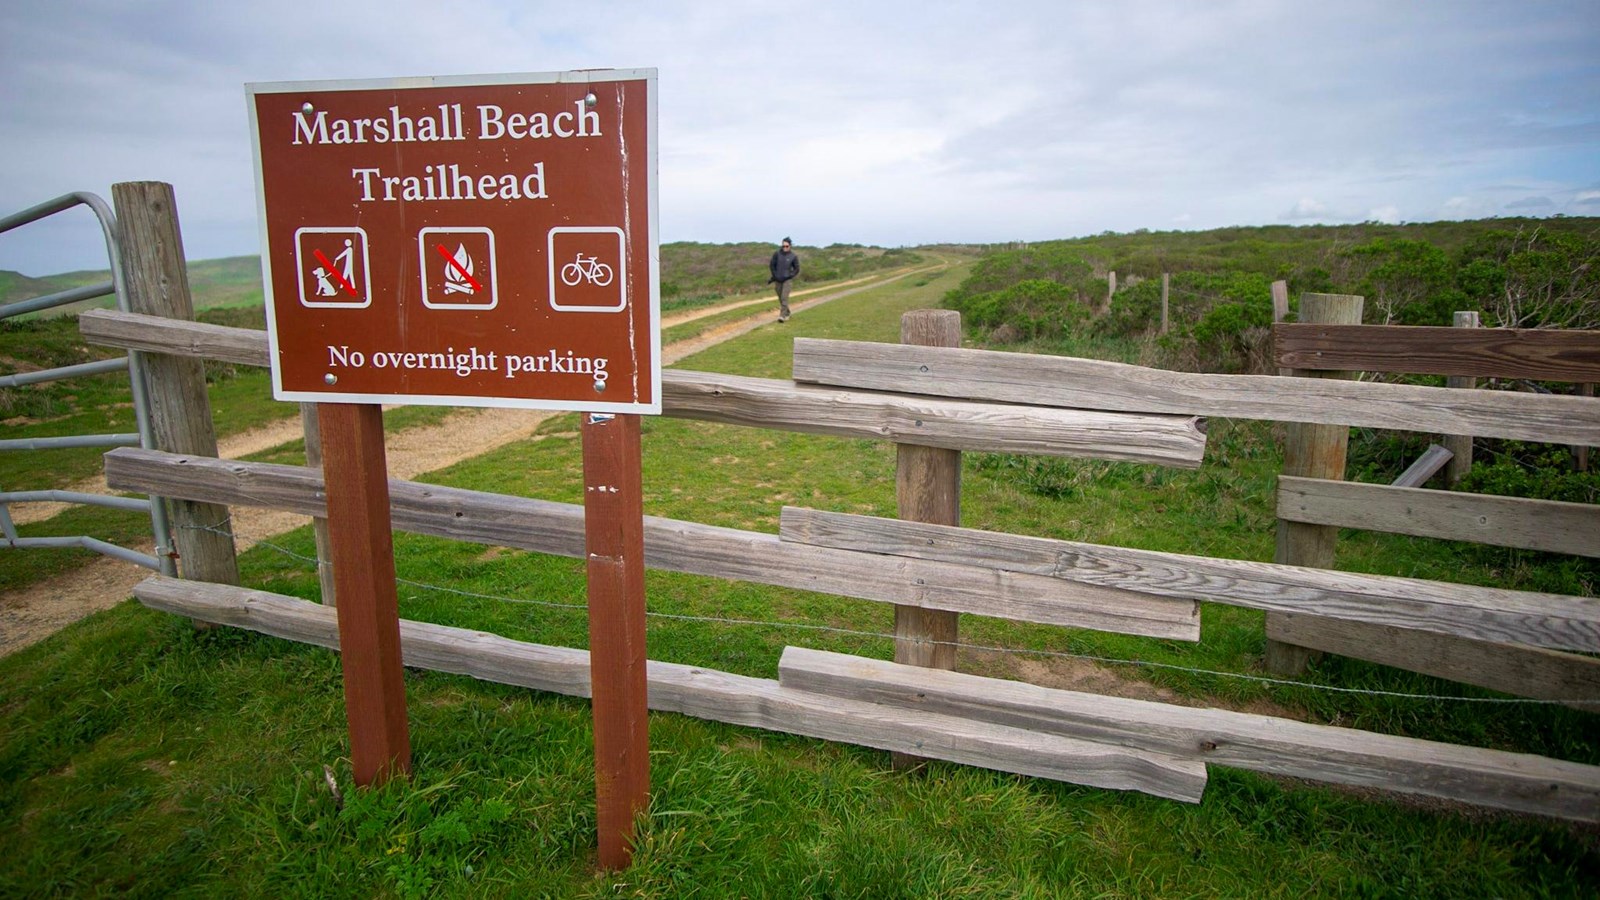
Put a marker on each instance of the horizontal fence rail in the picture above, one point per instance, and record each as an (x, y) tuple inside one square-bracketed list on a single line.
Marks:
[(1081, 738), (706, 694), (1172, 440), (1095, 384), (557, 528), (1241, 740), (939, 567), (1547, 525), (1540, 354), (1555, 621)]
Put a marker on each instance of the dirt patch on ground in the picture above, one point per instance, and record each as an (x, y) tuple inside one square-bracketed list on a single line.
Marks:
[(1091, 677)]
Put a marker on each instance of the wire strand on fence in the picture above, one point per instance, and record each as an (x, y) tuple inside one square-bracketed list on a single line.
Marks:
[(959, 645)]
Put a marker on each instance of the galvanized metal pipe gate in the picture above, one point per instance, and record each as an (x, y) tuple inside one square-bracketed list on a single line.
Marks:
[(162, 560)]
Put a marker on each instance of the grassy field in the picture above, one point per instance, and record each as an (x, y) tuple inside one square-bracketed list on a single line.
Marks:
[(139, 756)]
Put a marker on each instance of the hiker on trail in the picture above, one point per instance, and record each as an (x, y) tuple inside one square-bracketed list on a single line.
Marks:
[(785, 265)]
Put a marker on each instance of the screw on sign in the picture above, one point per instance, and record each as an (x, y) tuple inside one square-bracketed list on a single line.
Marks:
[(511, 217), (419, 246)]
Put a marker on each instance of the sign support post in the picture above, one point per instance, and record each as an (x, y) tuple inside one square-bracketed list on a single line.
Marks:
[(471, 241), (614, 540), (357, 485)]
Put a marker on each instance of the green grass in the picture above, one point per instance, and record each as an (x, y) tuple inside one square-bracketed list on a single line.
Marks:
[(139, 756)]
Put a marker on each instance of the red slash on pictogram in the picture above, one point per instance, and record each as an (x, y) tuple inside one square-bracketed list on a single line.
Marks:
[(349, 288), (451, 260)]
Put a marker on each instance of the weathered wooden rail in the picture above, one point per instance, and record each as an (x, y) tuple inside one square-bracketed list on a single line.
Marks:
[(957, 399), (1068, 736)]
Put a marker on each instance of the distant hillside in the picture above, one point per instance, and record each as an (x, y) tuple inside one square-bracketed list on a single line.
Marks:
[(1310, 257), (690, 273), (1522, 273), (235, 281)]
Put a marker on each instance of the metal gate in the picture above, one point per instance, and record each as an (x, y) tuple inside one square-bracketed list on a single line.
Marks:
[(163, 558)]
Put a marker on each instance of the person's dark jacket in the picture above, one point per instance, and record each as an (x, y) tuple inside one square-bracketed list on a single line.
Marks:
[(785, 265)]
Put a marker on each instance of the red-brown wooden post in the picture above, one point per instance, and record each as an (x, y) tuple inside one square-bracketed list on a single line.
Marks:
[(357, 485), (614, 540)]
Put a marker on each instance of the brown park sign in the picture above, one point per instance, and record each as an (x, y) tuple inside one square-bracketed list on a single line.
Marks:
[(481, 241)]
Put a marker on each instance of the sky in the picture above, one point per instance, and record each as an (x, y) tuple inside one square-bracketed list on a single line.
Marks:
[(885, 123)]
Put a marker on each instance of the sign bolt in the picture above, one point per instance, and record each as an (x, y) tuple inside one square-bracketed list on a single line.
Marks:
[(306, 107), (331, 378), (599, 385), (588, 100)]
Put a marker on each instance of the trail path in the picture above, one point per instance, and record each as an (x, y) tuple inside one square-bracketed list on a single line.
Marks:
[(29, 615)]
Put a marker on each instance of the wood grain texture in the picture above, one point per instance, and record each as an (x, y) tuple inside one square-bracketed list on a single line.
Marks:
[(1541, 354), (363, 572), (1547, 525), (1460, 445), (1550, 620), (155, 334), (932, 422), (557, 528), (613, 517), (928, 489), (1568, 678), (1095, 384), (783, 405), (157, 279), (1514, 781), (311, 423), (709, 694)]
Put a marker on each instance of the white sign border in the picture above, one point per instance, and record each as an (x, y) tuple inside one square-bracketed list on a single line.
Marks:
[(653, 219)]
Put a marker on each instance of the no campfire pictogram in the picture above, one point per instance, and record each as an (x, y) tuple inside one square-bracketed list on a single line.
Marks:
[(458, 268), (332, 264)]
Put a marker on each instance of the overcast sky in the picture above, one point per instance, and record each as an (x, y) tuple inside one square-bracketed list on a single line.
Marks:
[(864, 121)]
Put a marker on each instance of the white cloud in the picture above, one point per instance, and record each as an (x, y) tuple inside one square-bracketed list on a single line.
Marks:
[(887, 123), (1306, 208), (1389, 214)]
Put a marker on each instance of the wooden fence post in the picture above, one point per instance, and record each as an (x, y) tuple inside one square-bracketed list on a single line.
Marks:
[(1280, 308), (312, 423), (1459, 445), (1581, 453), (1310, 451), (1166, 285), (1111, 288), (180, 411), (927, 489)]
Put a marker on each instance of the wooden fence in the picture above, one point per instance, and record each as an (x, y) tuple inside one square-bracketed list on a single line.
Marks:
[(957, 399), (1326, 503)]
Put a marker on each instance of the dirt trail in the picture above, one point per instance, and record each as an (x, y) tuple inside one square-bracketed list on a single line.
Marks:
[(29, 615)]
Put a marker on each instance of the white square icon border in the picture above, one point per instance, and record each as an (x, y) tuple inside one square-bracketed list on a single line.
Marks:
[(366, 267), (422, 265), (555, 278)]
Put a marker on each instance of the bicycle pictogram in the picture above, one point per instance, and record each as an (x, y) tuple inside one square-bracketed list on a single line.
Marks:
[(586, 268)]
